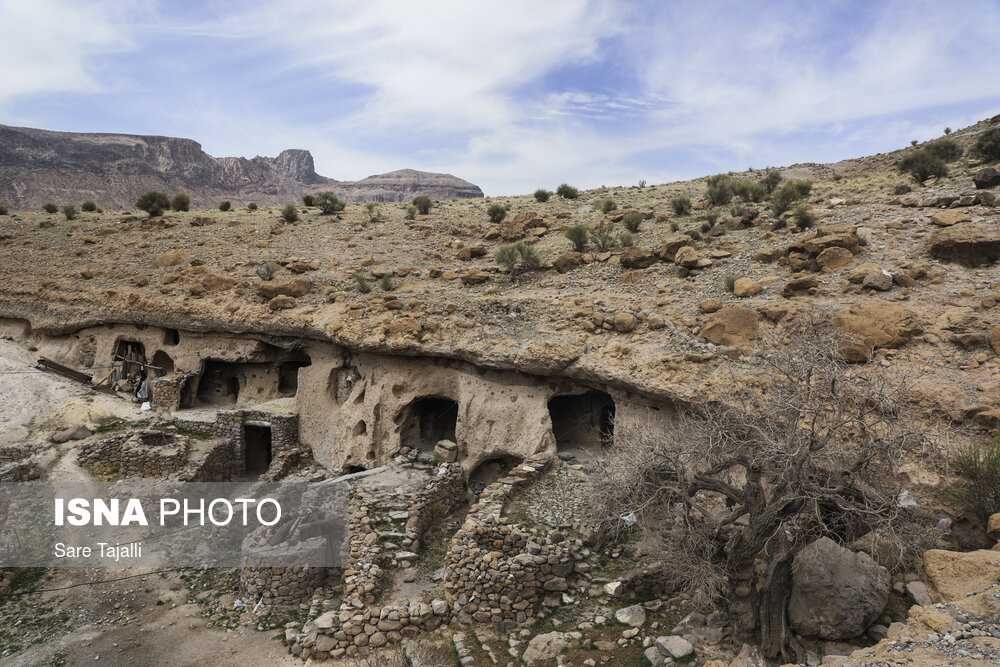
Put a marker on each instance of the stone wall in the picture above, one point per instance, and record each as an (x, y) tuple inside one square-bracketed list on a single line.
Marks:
[(144, 454), (13, 453), (19, 471), (495, 571)]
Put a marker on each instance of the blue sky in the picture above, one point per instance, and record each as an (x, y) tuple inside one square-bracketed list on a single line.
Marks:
[(514, 94)]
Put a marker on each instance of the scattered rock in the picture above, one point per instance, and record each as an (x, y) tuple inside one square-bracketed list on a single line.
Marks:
[(918, 591), (637, 257), (671, 244), (880, 280), (833, 258), (969, 243), (78, 432), (633, 615), (674, 647), (545, 647), (172, 258), (710, 305), (624, 322), (568, 261), (294, 287), (986, 178), (474, 277), (732, 325), (872, 325), (446, 451), (798, 286), (281, 302), (687, 257), (745, 287), (949, 218)]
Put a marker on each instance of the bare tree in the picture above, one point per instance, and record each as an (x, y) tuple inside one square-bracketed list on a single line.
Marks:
[(808, 449)]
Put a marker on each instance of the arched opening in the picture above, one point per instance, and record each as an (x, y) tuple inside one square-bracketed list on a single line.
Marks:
[(350, 470), (187, 394), (583, 421), (219, 384), (490, 471), (130, 356), (428, 420), (288, 375), (163, 364), (257, 437)]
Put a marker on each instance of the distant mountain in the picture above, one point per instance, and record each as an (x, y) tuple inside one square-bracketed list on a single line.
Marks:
[(114, 169)]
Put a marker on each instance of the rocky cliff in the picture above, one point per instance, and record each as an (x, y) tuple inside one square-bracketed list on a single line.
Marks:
[(114, 169)]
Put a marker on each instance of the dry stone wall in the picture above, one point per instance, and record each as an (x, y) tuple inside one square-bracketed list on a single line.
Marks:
[(144, 454)]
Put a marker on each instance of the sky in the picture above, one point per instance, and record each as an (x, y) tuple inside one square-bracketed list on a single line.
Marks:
[(512, 95)]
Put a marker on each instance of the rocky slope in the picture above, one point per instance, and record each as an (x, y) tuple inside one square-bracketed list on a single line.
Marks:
[(114, 169)]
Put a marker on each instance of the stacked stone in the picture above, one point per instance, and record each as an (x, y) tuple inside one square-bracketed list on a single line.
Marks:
[(494, 571), (217, 466), (145, 454), (436, 500), (19, 471), (229, 426), (14, 453), (165, 392), (280, 586)]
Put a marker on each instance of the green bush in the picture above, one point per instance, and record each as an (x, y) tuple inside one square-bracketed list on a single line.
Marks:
[(730, 281), (371, 208), (542, 195), (266, 270), (180, 202), (977, 464), (252, 206), (749, 191), (787, 194), (517, 257), (225, 206), (987, 146), (719, 190), (771, 180), (695, 235), (946, 149), (804, 217), (577, 235), (411, 212), (361, 282), (608, 205), (308, 200), (3, 210), (89, 206), (567, 191), (289, 213), (329, 203), (385, 282), (153, 202), (681, 205), (603, 237), (423, 204), (69, 211), (633, 221), (50, 207), (923, 165), (496, 212), (626, 239), (674, 226), (737, 210), (712, 217)]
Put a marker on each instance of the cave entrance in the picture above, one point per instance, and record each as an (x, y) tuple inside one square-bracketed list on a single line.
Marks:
[(132, 356), (257, 436), (164, 365), (490, 471), (288, 376), (219, 384), (429, 420), (583, 421)]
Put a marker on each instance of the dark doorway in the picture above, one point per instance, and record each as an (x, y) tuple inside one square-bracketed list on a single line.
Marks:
[(288, 376), (490, 471), (219, 384), (583, 421), (427, 421), (132, 357), (164, 365), (258, 448)]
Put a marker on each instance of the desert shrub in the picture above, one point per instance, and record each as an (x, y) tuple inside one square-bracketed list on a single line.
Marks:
[(153, 202), (788, 193), (719, 190), (567, 191), (225, 205), (423, 204), (922, 165), (730, 281), (371, 208), (252, 206), (946, 149), (361, 282), (496, 212), (89, 206), (947, 130), (749, 191), (804, 217), (180, 202), (385, 282), (771, 180), (50, 207), (289, 213), (633, 221), (3, 210), (737, 210), (308, 200), (542, 195), (608, 205), (674, 226), (69, 211), (577, 235), (266, 270), (603, 237), (780, 223), (411, 212), (694, 234), (913, 142), (712, 217), (987, 146), (517, 257), (329, 203), (626, 239), (642, 183), (977, 465), (681, 205)]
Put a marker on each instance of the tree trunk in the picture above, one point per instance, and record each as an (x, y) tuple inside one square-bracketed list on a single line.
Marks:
[(742, 597), (775, 637)]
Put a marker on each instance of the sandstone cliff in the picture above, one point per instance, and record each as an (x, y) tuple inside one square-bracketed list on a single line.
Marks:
[(114, 169)]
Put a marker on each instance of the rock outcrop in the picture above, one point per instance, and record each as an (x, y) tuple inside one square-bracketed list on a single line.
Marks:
[(114, 169), (873, 325), (969, 243)]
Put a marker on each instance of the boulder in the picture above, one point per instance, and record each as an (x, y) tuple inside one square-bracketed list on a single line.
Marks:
[(798, 286), (517, 227), (624, 322), (918, 591), (172, 258), (687, 257), (78, 432), (567, 261), (281, 302), (949, 218), (969, 243), (858, 273), (549, 354), (986, 178), (544, 647), (833, 258), (880, 280), (674, 647), (872, 325), (836, 593), (671, 244), (830, 236), (993, 527), (637, 257), (294, 287), (446, 451), (951, 575), (214, 283), (474, 277), (710, 305), (634, 615), (732, 325), (745, 287)]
